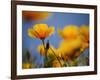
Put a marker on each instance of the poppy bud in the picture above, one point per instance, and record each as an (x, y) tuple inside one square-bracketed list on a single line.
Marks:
[(47, 45)]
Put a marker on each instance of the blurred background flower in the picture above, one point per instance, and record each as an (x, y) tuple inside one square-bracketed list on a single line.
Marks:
[(69, 32), (41, 50), (32, 15), (56, 63), (75, 41), (69, 48), (27, 65), (84, 34)]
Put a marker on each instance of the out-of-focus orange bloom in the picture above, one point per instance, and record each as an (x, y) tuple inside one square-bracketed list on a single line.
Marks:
[(27, 65), (70, 48), (69, 32), (42, 51), (40, 31), (67, 46), (76, 40), (32, 15), (84, 35), (84, 31), (56, 63)]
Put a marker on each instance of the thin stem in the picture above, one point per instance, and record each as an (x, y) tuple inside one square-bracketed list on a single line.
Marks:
[(44, 46), (44, 49), (43, 43), (56, 57)]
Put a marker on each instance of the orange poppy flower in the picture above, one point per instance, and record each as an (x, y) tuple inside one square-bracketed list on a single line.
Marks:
[(40, 31)]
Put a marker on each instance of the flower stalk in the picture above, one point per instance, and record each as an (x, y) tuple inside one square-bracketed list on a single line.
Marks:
[(56, 57)]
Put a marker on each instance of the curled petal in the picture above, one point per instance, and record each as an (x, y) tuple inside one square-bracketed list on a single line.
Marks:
[(31, 33)]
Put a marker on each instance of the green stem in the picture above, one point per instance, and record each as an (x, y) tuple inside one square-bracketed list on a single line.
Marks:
[(44, 49), (56, 57), (43, 43)]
